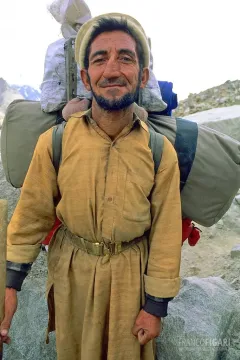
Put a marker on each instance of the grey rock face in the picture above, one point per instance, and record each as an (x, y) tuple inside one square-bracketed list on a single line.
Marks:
[(202, 322)]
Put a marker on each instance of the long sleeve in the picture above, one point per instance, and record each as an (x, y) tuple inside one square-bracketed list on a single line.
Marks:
[(34, 215), (162, 276)]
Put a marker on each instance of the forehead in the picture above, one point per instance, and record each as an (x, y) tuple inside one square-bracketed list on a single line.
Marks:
[(113, 40)]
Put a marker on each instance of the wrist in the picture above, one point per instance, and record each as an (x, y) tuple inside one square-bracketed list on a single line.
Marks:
[(10, 290)]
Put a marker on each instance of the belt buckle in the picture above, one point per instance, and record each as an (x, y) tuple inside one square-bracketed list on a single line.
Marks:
[(100, 248), (114, 248)]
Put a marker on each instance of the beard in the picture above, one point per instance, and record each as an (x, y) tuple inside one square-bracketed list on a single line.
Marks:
[(120, 103)]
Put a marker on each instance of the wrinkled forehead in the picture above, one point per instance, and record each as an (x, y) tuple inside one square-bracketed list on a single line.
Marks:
[(113, 41)]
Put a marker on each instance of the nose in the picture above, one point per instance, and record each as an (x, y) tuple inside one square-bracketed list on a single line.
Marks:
[(112, 68)]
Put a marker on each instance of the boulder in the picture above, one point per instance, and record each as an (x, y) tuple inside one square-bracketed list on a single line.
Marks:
[(203, 322)]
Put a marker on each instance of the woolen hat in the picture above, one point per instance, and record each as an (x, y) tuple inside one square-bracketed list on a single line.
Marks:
[(85, 32)]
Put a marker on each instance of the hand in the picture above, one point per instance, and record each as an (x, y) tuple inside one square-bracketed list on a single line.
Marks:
[(10, 309), (146, 327), (74, 106)]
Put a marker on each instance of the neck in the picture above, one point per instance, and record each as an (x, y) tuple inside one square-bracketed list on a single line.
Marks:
[(112, 122)]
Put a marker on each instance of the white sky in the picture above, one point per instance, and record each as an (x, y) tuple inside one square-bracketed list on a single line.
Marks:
[(195, 43)]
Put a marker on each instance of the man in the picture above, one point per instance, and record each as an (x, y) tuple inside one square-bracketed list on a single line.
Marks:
[(114, 263)]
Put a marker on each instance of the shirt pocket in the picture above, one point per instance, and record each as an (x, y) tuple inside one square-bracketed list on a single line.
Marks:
[(136, 206)]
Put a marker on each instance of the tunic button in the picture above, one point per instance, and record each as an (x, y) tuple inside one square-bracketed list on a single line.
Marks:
[(110, 199)]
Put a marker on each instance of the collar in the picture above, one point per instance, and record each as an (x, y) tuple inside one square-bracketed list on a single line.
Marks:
[(140, 116)]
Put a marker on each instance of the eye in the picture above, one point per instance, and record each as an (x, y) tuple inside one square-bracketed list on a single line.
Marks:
[(98, 61), (126, 59)]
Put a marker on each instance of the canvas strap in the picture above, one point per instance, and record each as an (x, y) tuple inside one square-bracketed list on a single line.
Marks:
[(185, 146)]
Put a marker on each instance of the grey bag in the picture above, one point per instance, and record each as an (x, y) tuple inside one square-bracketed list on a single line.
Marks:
[(209, 164)]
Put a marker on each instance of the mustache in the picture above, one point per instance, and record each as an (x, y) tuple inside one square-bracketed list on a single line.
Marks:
[(113, 82)]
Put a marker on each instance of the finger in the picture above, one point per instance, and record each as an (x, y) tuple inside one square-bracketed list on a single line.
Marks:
[(5, 339), (135, 330), (75, 100), (143, 337), (5, 325), (4, 332)]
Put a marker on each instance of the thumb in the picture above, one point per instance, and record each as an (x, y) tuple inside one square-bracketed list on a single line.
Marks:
[(4, 332), (6, 323), (142, 337), (4, 328)]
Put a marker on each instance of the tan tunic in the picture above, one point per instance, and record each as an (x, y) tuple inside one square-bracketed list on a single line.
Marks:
[(105, 187)]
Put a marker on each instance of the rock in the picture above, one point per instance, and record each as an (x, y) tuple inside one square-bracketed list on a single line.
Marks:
[(202, 322), (235, 252)]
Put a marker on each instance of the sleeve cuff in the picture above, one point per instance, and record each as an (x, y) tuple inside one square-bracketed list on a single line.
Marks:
[(156, 308), (15, 279), (163, 288), (23, 253)]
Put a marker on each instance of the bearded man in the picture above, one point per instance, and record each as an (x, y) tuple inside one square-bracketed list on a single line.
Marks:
[(113, 265)]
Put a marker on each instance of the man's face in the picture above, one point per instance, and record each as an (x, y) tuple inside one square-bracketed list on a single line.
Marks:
[(114, 75)]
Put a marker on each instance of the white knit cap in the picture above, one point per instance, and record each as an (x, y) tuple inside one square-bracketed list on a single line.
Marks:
[(86, 30)]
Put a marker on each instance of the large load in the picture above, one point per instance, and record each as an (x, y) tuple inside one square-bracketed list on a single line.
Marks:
[(209, 160), (72, 14)]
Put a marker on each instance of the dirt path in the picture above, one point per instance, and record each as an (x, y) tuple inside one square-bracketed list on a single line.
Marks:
[(212, 255)]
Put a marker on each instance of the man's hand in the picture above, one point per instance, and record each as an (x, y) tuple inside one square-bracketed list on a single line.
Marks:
[(74, 106), (146, 327), (10, 309)]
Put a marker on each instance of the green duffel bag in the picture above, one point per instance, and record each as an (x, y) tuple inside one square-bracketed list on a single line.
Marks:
[(209, 161), (24, 121)]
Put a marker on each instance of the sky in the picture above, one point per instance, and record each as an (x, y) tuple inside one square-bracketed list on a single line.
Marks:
[(195, 44)]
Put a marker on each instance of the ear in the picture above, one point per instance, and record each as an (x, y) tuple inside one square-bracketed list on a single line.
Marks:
[(85, 79), (145, 77)]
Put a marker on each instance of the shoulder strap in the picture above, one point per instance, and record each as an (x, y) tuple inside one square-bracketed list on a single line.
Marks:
[(156, 145), (57, 145), (185, 146)]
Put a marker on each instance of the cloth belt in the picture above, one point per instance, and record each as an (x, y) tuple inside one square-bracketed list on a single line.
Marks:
[(100, 248)]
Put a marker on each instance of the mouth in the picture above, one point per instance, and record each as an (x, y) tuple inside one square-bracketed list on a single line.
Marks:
[(112, 86)]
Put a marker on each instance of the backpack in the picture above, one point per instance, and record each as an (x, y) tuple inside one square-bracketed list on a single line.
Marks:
[(209, 161)]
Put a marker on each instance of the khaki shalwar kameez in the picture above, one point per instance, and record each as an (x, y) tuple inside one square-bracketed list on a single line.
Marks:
[(104, 187)]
